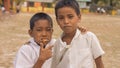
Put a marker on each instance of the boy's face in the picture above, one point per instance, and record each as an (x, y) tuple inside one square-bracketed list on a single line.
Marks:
[(67, 19), (42, 31)]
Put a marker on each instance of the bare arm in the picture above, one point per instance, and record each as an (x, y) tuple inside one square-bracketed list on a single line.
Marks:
[(39, 63), (99, 63), (45, 53)]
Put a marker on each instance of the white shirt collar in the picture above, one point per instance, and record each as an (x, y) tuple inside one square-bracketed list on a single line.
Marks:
[(77, 34)]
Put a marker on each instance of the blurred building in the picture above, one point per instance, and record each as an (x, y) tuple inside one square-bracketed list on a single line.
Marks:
[(37, 5), (84, 3)]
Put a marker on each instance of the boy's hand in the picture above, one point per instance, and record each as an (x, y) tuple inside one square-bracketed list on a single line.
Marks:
[(45, 53), (82, 29)]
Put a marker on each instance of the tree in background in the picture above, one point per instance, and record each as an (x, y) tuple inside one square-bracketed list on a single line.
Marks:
[(118, 4), (112, 3), (115, 4), (100, 3), (109, 5)]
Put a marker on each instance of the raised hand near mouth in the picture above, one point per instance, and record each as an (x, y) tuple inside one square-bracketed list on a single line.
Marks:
[(44, 42), (44, 54)]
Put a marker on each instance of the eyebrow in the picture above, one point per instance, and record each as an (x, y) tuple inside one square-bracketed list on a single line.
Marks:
[(45, 27), (71, 14)]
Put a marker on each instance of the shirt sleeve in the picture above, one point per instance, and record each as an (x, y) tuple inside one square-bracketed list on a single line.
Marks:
[(96, 47), (23, 58)]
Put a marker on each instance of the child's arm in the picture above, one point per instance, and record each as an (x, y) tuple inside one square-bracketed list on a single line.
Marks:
[(96, 50), (98, 62), (45, 53), (39, 63)]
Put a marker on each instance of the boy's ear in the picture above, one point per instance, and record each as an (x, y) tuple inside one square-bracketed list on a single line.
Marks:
[(79, 16), (30, 32), (52, 30), (57, 20)]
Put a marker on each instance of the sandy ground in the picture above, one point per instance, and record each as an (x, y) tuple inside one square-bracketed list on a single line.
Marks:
[(13, 33)]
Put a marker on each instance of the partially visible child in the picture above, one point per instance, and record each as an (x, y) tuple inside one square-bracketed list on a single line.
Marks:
[(74, 49), (3, 9), (18, 8), (38, 51)]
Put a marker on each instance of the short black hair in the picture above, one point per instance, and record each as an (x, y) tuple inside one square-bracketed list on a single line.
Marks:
[(40, 16), (67, 3)]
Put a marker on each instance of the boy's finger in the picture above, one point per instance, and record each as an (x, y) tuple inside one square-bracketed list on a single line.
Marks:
[(41, 46)]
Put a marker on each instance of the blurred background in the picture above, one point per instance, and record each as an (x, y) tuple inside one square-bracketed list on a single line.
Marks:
[(102, 17), (99, 6)]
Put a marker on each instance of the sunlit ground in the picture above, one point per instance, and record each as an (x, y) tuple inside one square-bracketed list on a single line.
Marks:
[(13, 33)]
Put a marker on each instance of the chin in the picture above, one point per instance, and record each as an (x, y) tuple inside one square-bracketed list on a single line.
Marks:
[(67, 32)]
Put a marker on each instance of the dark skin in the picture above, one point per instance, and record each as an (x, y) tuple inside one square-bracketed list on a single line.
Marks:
[(68, 21), (69, 37), (42, 30), (82, 29), (45, 53), (99, 63)]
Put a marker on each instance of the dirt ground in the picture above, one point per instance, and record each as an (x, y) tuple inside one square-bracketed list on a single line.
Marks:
[(13, 33)]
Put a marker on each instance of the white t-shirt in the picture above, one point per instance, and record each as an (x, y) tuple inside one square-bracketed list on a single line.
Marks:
[(28, 55), (81, 52)]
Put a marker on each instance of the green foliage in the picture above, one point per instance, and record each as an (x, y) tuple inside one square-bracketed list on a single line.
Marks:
[(101, 3), (113, 3), (118, 5)]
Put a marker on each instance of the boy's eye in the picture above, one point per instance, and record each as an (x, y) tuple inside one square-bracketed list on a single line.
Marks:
[(60, 17), (49, 29), (70, 17), (39, 29)]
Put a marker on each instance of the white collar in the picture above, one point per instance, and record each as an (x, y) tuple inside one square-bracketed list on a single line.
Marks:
[(77, 34)]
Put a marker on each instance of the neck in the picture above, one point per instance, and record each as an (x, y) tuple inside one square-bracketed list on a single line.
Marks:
[(69, 34), (67, 37)]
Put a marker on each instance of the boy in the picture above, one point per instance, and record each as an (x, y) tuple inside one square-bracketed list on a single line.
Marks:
[(37, 52), (74, 49)]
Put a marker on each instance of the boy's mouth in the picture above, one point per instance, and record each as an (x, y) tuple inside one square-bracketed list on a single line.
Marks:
[(44, 41), (67, 27)]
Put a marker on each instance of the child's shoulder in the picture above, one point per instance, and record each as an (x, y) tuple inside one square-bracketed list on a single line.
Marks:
[(26, 46), (89, 34), (25, 49)]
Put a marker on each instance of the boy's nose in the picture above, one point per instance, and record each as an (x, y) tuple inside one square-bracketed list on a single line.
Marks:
[(44, 33), (66, 21)]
